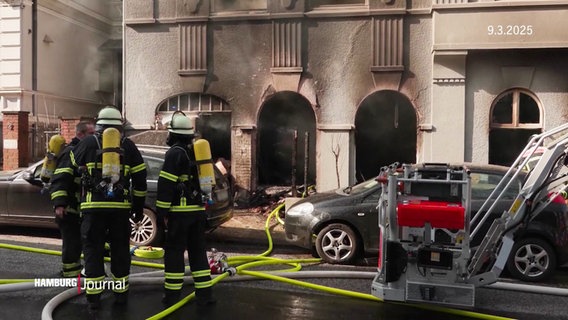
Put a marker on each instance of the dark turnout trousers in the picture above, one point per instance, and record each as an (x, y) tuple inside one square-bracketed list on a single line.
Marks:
[(97, 227), (186, 231)]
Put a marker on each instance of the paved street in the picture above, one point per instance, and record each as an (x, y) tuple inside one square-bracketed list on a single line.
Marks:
[(249, 299)]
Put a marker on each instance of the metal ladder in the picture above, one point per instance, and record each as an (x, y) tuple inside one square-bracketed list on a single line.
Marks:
[(542, 185)]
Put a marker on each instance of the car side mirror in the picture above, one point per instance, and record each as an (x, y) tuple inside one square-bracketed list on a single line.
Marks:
[(30, 177), (27, 176)]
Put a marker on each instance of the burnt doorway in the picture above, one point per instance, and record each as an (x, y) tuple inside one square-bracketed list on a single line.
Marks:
[(283, 122), (385, 132), (516, 115), (216, 128)]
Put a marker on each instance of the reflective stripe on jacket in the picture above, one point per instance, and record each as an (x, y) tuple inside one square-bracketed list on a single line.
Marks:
[(133, 170), (66, 182), (178, 183)]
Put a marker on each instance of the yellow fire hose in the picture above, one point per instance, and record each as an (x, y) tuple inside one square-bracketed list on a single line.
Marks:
[(148, 252), (240, 264)]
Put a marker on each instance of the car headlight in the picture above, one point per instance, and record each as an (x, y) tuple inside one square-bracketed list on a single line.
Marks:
[(301, 209)]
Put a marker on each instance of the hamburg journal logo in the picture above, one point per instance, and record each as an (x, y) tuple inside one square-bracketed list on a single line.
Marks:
[(80, 284)]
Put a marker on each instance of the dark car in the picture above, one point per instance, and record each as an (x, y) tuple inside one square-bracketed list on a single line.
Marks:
[(24, 201), (342, 225)]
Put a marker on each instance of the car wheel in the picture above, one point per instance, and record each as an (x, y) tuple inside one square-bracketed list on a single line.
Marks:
[(145, 232), (532, 260), (337, 243)]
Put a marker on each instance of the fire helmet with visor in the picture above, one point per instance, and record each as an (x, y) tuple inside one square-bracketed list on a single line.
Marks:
[(180, 129), (109, 116), (181, 124)]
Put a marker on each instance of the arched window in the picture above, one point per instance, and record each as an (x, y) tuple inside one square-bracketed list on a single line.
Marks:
[(516, 108), (516, 115), (212, 118), (193, 102)]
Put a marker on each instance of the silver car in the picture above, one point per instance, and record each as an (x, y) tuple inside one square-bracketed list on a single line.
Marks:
[(25, 202)]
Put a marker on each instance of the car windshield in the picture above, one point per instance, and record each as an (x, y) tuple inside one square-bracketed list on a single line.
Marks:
[(360, 187), (483, 184)]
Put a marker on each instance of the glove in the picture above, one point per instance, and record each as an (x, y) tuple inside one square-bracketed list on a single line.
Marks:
[(137, 217)]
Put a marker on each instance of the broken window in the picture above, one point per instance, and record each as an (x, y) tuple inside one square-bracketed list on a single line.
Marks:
[(194, 101), (212, 114), (515, 117)]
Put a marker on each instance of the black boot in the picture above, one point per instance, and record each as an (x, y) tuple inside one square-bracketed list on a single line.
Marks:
[(204, 297), (94, 301), (170, 297), (121, 298)]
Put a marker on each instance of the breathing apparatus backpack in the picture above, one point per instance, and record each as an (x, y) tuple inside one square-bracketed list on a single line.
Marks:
[(201, 192), (54, 148), (109, 180), (205, 170)]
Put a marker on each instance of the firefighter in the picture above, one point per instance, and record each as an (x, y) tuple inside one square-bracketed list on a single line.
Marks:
[(180, 205), (108, 202), (65, 191)]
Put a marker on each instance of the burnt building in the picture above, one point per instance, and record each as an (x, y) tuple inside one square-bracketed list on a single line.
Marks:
[(328, 91), (367, 82)]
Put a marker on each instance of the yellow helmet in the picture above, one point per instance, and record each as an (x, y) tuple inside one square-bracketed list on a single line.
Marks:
[(181, 124), (109, 116)]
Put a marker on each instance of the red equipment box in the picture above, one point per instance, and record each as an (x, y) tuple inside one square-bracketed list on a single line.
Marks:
[(440, 214)]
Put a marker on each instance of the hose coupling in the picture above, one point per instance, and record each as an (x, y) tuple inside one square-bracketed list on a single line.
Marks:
[(231, 271)]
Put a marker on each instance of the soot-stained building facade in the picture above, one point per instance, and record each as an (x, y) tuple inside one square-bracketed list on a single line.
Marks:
[(330, 91)]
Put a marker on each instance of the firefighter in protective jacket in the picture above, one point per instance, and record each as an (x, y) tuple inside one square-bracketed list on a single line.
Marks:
[(107, 203), (180, 205), (65, 189)]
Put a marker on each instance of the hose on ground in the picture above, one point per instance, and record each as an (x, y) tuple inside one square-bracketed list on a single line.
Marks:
[(240, 267), (148, 252)]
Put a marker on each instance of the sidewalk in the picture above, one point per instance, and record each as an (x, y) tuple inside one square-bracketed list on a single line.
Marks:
[(246, 226)]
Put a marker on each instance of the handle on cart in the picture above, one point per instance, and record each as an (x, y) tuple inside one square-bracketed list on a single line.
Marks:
[(435, 164)]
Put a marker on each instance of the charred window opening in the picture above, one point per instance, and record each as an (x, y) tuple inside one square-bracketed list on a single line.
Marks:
[(193, 102), (385, 132), (281, 117), (212, 119), (515, 117)]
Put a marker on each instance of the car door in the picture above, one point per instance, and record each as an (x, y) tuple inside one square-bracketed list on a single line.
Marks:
[(153, 168), (482, 184), (27, 199), (370, 230), (5, 182)]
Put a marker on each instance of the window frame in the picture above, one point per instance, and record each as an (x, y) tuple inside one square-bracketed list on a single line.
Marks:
[(206, 104), (515, 109)]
